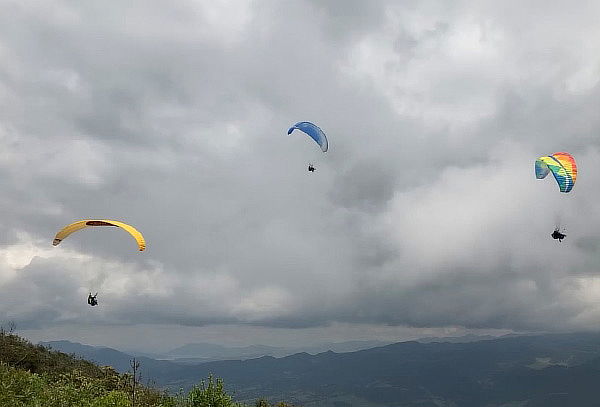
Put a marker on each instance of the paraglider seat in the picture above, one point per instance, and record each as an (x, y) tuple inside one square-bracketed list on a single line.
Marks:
[(557, 235), (92, 299)]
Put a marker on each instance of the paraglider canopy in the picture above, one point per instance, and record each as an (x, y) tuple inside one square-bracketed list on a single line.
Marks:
[(74, 227), (313, 131), (562, 166)]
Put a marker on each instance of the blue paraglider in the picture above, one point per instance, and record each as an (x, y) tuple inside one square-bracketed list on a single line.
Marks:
[(313, 131)]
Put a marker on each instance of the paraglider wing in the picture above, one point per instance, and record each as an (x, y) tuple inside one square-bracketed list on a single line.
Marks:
[(313, 131), (74, 227), (562, 166)]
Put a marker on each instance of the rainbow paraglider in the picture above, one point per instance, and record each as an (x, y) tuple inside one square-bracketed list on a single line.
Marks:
[(562, 166)]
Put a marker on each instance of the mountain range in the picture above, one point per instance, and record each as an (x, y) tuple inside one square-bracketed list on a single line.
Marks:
[(195, 353), (532, 371), (208, 351)]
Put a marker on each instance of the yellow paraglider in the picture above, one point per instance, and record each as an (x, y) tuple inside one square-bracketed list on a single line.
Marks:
[(74, 227)]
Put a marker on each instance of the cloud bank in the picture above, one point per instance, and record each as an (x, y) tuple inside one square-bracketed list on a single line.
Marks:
[(424, 213)]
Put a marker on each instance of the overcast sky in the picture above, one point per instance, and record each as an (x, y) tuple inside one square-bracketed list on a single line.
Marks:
[(423, 218)]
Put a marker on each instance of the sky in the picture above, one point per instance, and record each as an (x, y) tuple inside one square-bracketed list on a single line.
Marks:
[(424, 218)]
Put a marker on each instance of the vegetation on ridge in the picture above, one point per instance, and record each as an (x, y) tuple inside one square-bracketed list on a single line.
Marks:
[(35, 376)]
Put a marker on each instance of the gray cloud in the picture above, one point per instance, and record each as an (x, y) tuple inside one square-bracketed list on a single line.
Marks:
[(423, 213)]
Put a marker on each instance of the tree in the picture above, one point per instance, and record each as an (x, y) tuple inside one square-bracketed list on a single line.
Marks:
[(265, 403), (135, 366), (210, 394)]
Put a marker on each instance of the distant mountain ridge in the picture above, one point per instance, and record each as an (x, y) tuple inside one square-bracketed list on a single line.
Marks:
[(203, 351), (210, 351), (524, 371), (156, 365), (464, 338), (543, 370)]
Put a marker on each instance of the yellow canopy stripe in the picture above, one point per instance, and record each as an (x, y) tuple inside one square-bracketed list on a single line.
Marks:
[(74, 227)]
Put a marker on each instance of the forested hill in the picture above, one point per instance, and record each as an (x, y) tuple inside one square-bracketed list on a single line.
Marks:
[(35, 376)]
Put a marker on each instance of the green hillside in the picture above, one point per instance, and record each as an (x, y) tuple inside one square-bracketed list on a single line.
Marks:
[(35, 376)]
